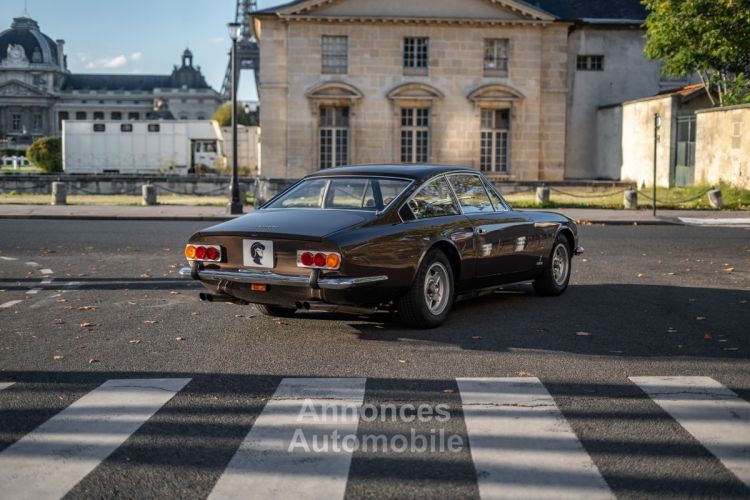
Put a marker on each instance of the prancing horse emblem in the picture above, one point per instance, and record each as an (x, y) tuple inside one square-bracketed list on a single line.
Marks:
[(256, 252)]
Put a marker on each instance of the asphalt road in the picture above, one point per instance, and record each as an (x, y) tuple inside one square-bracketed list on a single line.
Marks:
[(661, 301)]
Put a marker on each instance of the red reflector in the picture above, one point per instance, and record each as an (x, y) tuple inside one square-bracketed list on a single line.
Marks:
[(306, 259), (212, 253), (255, 287), (319, 260), (200, 253)]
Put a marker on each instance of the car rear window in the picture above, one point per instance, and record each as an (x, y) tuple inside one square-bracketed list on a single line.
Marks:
[(347, 193)]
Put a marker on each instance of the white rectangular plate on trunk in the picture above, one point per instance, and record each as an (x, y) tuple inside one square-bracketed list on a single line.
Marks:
[(257, 253)]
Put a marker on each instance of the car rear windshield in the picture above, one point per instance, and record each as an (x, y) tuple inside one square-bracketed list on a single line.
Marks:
[(346, 193)]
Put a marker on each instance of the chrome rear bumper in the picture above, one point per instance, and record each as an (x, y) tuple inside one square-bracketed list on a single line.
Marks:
[(269, 278)]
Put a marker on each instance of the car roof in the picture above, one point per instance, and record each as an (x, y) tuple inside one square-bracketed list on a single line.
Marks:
[(394, 170)]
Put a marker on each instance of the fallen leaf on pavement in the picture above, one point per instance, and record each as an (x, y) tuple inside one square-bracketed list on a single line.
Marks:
[(93, 360), (87, 308), (59, 322), (700, 318), (729, 270), (145, 275), (61, 300), (476, 337), (150, 321), (280, 322), (134, 341), (58, 357), (87, 324), (707, 336), (179, 338), (403, 360), (194, 313), (640, 275), (583, 334), (448, 391), (131, 303), (174, 292), (524, 374)]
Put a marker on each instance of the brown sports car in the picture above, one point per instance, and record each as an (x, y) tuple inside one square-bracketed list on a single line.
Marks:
[(407, 238)]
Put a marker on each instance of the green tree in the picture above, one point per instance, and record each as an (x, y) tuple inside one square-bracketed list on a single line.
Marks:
[(46, 153), (223, 115), (707, 37)]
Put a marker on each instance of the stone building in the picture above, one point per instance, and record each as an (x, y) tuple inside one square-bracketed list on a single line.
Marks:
[(509, 87), (38, 92)]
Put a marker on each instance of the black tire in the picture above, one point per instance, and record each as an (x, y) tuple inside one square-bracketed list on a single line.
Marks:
[(274, 311), (428, 302), (556, 274)]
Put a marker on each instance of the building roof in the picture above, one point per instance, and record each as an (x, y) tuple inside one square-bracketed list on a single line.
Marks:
[(115, 82), (24, 31), (583, 10)]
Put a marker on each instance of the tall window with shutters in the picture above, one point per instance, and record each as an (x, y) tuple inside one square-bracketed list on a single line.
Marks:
[(495, 132), (334, 136), (415, 135)]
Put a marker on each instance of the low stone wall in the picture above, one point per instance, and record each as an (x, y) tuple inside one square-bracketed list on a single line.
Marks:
[(722, 150)]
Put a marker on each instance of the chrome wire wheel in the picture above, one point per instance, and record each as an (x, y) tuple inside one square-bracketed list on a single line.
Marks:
[(560, 264), (437, 288)]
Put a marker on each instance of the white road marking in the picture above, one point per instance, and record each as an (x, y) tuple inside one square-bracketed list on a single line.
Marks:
[(521, 444), (264, 466), (47, 271), (7, 258), (733, 221), (5, 385), (10, 304), (717, 417), (33, 264), (48, 462), (33, 291)]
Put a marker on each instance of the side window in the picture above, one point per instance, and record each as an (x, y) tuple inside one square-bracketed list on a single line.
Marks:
[(471, 193), (433, 200), (500, 205)]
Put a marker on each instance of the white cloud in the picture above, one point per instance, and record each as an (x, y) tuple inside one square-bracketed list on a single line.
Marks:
[(83, 57), (136, 56), (106, 62)]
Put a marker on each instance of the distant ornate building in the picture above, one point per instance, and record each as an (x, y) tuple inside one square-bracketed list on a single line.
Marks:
[(37, 92)]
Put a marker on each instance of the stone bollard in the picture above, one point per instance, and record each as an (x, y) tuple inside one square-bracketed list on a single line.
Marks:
[(149, 194), (630, 199), (542, 195), (59, 193), (716, 199)]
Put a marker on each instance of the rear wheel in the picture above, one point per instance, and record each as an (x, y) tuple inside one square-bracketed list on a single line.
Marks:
[(274, 311), (428, 302), (556, 275)]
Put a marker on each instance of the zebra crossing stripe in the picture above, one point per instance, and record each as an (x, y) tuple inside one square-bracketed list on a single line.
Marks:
[(714, 415), (5, 385), (49, 461), (267, 466), (521, 444)]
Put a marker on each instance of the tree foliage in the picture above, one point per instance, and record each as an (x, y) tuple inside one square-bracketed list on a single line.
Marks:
[(707, 37), (46, 153), (223, 115)]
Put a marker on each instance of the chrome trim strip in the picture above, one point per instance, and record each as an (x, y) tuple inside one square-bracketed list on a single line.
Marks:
[(268, 278)]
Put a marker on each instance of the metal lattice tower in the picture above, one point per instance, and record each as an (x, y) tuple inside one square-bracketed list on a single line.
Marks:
[(248, 54)]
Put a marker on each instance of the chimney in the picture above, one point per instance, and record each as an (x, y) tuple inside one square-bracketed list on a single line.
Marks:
[(60, 53)]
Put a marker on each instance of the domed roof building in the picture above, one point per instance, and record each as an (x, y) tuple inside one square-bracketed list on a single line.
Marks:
[(38, 92)]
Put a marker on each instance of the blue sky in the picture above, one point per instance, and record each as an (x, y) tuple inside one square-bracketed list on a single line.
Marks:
[(137, 36)]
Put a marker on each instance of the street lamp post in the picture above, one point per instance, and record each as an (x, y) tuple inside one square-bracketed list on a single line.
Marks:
[(235, 204), (657, 126)]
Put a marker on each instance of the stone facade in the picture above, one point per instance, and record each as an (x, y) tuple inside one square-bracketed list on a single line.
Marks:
[(723, 146), (38, 92), (455, 87)]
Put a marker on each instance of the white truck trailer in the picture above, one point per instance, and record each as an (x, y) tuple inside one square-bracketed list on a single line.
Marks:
[(141, 147)]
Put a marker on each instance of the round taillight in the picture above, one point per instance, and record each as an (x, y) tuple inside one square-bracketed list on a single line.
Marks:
[(319, 260), (190, 252), (333, 261), (307, 259), (200, 253), (212, 253)]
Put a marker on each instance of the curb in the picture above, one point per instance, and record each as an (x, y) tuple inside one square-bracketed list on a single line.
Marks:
[(165, 218)]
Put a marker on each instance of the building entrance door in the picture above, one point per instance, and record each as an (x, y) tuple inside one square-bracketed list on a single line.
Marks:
[(684, 171)]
